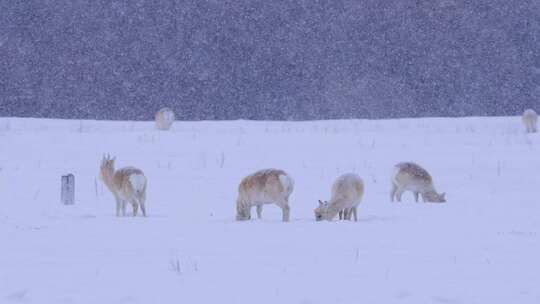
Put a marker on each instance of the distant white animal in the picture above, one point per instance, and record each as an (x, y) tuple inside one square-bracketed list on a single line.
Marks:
[(270, 186), (164, 119), (530, 119), (347, 192), (126, 184), (409, 176)]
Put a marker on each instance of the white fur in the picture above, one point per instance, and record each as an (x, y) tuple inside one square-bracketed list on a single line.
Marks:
[(287, 182), (138, 182), (164, 119), (347, 193), (530, 120)]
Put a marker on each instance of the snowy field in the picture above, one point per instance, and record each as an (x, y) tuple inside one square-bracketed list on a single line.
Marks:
[(481, 247)]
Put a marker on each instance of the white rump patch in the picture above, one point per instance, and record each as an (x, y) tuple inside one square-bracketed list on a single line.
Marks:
[(138, 181), (169, 116), (287, 182)]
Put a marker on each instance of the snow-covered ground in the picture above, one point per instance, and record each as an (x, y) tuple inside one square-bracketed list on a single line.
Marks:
[(481, 247)]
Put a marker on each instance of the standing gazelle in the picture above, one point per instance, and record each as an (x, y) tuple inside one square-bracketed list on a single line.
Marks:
[(126, 184), (409, 176), (347, 192), (530, 119), (270, 186)]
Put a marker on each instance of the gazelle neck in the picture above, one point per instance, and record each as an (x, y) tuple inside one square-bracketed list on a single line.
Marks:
[(107, 175)]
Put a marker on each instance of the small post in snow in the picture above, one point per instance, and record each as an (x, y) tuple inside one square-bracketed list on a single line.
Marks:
[(68, 189)]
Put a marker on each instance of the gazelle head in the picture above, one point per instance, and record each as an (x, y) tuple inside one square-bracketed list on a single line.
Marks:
[(242, 212), (320, 211), (107, 168), (434, 197)]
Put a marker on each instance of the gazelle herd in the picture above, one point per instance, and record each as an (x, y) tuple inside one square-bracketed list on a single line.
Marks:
[(274, 186)]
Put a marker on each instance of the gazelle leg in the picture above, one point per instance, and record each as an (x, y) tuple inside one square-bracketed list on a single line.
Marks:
[(286, 212), (143, 209), (416, 196), (118, 206), (354, 214), (123, 208), (399, 193), (283, 203), (142, 201), (135, 206), (341, 214), (393, 192), (259, 211)]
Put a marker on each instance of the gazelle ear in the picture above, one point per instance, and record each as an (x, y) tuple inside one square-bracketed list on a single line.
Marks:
[(320, 203)]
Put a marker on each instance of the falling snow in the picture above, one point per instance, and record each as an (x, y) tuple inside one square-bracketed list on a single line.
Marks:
[(268, 59)]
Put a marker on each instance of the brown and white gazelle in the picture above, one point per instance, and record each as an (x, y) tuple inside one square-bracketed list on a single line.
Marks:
[(164, 119), (409, 176), (270, 186), (530, 120), (126, 184), (347, 192)]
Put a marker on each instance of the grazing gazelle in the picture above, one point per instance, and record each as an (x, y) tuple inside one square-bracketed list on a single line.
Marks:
[(270, 186), (126, 184), (530, 119), (164, 119), (347, 192), (409, 176)]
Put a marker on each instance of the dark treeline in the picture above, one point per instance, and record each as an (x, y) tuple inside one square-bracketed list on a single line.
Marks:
[(297, 60)]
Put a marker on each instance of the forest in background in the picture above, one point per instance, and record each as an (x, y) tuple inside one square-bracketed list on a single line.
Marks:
[(275, 60)]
